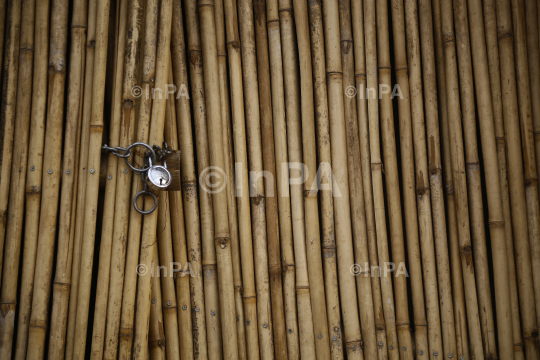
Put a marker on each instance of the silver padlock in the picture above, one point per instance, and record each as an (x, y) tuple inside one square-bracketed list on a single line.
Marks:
[(158, 176)]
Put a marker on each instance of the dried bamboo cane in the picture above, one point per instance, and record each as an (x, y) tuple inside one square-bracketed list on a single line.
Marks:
[(2, 35), (462, 342), (211, 292), (229, 170), (119, 331), (392, 185), (490, 23), (435, 170), (527, 143), (20, 129), (82, 174), (10, 73), (460, 186), (189, 186), (269, 163), (327, 206), (294, 143), (140, 340), (282, 174), (362, 111), (156, 339), (33, 173), (92, 183), (312, 229), (413, 138), (376, 175), (489, 151), (109, 205), (68, 201)]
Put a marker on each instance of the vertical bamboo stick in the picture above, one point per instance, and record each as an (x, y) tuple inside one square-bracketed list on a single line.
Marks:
[(269, 163), (527, 142), (458, 171), (490, 23), (7, 125), (294, 141), (2, 35), (140, 340), (376, 174), (92, 184), (312, 229), (392, 186), (156, 339), (357, 13), (282, 173), (435, 172), (189, 186), (82, 174), (120, 331), (19, 153), (229, 170), (211, 292), (33, 173)]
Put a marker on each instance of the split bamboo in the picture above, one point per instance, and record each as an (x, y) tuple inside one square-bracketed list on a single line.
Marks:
[(33, 173)]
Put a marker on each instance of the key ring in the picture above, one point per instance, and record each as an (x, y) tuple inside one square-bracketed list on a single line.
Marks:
[(152, 156), (145, 192)]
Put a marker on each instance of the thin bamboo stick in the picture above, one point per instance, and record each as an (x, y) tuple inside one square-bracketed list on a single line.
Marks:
[(490, 23), (140, 340), (294, 142), (229, 170), (269, 163), (2, 36), (282, 173), (120, 330), (392, 185), (458, 171), (82, 173), (189, 186), (10, 73), (92, 183), (357, 13), (20, 129), (435, 171), (156, 339), (211, 291), (527, 142), (33, 173), (376, 164)]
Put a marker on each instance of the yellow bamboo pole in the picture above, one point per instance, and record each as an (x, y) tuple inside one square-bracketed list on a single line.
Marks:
[(33, 173), (189, 186), (156, 339), (282, 174)]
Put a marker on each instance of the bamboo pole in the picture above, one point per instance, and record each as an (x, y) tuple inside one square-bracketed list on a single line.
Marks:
[(435, 171), (211, 291), (462, 343), (120, 331), (269, 163), (458, 171), (156, 339), (294, 143), (140, 340), (357, 13), (10, 73), (313, 241), (20, 128), (282, 173), (3, 14), (92, 183), (189, 186), (392, 186), (228, 154), (82, 174), (33, 172), (527, 142), (490, 23), (68, 201), (376, 165), (489, 151)]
